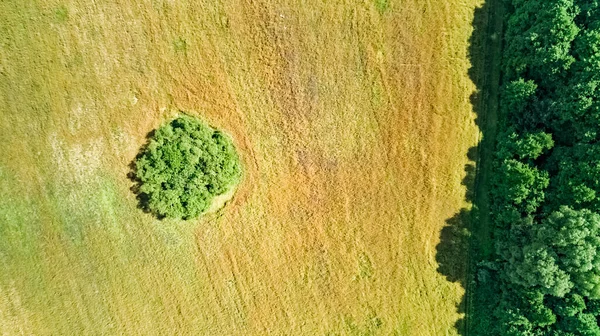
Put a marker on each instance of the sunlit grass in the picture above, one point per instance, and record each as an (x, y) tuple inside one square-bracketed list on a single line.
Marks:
[(353, 121)]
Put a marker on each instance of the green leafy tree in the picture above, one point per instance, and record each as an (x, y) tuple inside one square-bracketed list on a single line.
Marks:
[(575, 181), (590, 13), (593, 307), (537, 311), (576, 106), (524, 146), (184, 166), (539, 270), (538, 39), (568, 306), (582, 324), (512, 321), (520, 184), (518, 95), (562, 255), (574, 236)]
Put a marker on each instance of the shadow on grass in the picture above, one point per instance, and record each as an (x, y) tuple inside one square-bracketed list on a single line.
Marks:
[(466, 239), (141, 197), (452, 253)]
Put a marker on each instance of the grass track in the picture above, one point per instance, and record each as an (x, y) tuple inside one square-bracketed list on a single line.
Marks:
[(486, 55), (353, 120), (487, 116)]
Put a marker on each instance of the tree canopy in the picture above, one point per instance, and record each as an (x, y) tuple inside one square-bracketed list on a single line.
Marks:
[(185, 164), (545, 193)]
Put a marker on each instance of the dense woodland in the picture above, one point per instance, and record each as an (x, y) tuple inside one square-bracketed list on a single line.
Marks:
[(544, 276)]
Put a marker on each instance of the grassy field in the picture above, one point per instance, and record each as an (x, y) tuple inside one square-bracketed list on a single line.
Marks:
[(353, 121)]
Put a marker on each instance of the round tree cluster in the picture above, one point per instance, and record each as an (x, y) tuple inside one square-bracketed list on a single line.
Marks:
[(184, 166)]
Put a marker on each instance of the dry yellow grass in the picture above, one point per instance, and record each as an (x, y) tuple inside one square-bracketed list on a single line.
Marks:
[(353, 122)]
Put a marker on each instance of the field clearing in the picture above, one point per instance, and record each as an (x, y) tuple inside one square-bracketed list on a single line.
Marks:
[(353, 121)]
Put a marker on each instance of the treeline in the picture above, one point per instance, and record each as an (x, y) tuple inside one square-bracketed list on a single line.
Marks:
[(544, 275)]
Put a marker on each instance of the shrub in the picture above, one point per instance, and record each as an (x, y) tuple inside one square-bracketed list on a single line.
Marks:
[(185, 164)]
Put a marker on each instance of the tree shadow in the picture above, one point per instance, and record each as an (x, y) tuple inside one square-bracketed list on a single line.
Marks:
[(142, 198), (466, 239), (452, 253)]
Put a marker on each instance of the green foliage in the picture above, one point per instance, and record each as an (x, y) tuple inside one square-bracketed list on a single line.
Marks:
[(183, 167), (382, 5), (570, 306), (582, 324), (546, 186), (528, 145), (537, 312), (518, 95), (511, 321), (576, 177), (520, 184), (590, 13), (539, 270), (538, 37), (575, 104), (540, 66), (574, 235), (560, 259), (593, 307)]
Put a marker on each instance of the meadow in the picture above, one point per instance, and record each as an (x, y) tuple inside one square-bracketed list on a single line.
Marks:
[(352, 120)]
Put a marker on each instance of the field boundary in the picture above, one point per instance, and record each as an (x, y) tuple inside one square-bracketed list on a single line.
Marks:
[(488, 80)]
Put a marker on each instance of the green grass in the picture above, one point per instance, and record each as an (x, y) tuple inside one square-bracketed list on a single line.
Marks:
[(486, 48), (382, 5), (487, 107)]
